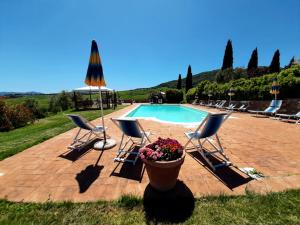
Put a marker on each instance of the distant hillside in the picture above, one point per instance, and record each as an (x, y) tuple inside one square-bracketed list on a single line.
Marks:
[(11, 93), (208, 75), (142, 94)]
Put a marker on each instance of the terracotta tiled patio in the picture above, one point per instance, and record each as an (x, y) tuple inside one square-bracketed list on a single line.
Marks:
[(48, 171)]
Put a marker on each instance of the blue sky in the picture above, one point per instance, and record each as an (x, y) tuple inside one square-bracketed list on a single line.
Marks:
[(45, 45)]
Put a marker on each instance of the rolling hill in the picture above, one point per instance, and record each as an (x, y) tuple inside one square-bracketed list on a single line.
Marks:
[(197, 78)]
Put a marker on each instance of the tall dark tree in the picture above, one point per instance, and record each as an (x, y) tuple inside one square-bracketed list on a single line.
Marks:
[(189, 79), (253, 62), (228, 56), (292, 61), (275, 64), (179, 82)]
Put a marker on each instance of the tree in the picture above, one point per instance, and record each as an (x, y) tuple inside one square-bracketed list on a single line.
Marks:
[(253, 62), (189, 79), (275, 63), (228, 56), (179, 82), (292, 61)]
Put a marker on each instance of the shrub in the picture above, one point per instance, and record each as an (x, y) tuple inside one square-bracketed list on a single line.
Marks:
[(256, 88), (5, 124), (64, 100), (20, 116), (60, 102), (190, 95), (174, 96), (33, 106)]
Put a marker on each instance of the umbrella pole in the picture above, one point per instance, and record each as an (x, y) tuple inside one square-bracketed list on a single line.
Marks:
[(101, 109)]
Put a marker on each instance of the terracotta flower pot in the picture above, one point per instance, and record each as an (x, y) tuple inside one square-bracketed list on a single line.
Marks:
[(163, 174)]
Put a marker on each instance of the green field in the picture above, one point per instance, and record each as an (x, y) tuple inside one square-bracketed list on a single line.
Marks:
[(19, 139), (43, 100), (139, 95), (274, 208)]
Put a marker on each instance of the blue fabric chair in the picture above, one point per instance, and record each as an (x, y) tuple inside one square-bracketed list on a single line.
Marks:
[(273, 108), (207, 133), (82, 137), (135, 134)]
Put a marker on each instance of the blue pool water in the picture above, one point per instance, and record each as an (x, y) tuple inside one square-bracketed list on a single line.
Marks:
[(169, 113)]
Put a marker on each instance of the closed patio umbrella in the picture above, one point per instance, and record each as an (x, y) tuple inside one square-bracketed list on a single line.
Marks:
[(95, 77), (275, 88)]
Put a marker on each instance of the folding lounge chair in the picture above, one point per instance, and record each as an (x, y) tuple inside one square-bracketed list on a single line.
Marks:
[(209, 104), (221, 105), (242, 108), (217, 104), (195, 102), (206, 131), (84, 138), (290, 116), (272, 109), (229, 108), (135, 134)]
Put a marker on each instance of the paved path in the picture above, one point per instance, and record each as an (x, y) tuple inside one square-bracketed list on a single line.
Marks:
[(48, 171)]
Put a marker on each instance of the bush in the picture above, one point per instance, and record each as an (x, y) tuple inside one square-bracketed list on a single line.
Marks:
[(60, 102), (256, 88), (33, 106), (5, 124), (174, 96), (20, 116), (190, 95)]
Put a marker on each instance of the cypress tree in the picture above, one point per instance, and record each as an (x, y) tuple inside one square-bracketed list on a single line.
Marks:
[(189, 79), (275, 63), (179, 82), (292, 61), (228, 56), (253, 62)]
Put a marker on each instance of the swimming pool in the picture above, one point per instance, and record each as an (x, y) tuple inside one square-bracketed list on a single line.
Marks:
[(168, 113)]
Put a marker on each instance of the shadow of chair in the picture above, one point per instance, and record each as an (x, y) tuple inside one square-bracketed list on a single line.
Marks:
[(75, 154), (173, 206), (228, 175), (129, 171)]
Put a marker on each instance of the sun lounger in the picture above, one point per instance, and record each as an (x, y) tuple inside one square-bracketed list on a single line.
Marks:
[(206, 132), (135, 134), (271, 110), (242, 108), (209, 104), (289, 116), (84, 138), (221, 105), (230, 107)]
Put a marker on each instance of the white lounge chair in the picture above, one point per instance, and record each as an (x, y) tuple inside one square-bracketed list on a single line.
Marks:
[(289, 116), (135, 134), (221, 105), (206, 131), (242, 108), (84, 138)]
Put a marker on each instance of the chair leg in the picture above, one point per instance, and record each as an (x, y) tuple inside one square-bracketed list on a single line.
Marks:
[(201, 151)]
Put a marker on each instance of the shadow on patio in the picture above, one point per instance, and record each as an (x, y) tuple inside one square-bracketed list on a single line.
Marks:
[(229, 176), (173, 206)]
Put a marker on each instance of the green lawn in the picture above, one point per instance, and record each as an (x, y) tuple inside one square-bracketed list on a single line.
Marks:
[(274, 208), (19, 139)]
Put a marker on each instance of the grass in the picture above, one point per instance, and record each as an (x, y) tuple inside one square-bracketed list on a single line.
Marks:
[(273, 208), (43, 100), (139, 95), (19, 139)]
